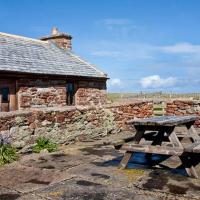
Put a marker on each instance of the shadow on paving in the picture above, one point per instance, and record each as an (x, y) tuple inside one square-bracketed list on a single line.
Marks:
[(160, 177), (9, 196), (99, 150), (160, 180), (143, 161), (58, 161), (36, 181)]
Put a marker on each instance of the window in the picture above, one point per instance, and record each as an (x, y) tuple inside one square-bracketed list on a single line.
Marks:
[(70, 94), (5, 94)]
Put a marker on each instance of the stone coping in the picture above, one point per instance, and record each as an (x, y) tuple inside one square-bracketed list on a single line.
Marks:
[(184, 101), (119, 104), (86, 108), (67, 108)]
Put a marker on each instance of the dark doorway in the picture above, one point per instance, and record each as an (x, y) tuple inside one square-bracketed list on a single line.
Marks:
[(70, 88), (7, 95), (5, 99)]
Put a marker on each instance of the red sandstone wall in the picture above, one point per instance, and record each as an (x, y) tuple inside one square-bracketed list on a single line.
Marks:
[(127, 111), (91, 93), (67, 124), (181, 107), (50, 93), (41, 93)]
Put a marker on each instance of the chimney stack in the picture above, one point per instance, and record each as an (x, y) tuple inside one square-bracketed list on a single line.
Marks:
[(62, 40)]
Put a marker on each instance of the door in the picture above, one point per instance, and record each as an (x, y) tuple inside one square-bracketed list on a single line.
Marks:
[(5, 99)]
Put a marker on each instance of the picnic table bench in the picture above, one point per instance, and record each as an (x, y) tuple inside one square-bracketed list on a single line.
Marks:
[(156, 135)]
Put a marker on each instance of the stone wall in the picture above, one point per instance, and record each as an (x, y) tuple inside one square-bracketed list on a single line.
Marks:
[(127, 111), (40, 93), (34, 93), (91, 93), (69, 124), (181, 107)]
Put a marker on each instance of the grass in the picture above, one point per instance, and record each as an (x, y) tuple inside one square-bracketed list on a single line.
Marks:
[(117, 96), (113, 97), (44, 143), (8, 154)]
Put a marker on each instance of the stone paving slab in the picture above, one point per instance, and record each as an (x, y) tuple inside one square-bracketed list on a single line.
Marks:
[(30, 196), (8, 194), (181, 186), (25, 179), (90, 171), (84, 190)]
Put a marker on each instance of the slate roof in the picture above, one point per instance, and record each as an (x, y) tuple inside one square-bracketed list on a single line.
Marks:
[(26, 55)]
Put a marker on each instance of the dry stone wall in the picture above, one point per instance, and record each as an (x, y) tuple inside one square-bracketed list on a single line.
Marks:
[(180, 107), (69, 124), (79, 123), (124, 112)]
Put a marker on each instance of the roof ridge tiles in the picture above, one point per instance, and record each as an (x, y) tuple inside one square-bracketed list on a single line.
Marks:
[(23, 37)]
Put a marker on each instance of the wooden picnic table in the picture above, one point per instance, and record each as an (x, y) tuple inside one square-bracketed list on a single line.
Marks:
[(163, 140)]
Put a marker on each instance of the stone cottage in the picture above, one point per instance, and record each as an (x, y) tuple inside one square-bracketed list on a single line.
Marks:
[(46, 73)]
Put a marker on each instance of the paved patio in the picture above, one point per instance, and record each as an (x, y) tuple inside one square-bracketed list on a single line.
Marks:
[(88, 170)]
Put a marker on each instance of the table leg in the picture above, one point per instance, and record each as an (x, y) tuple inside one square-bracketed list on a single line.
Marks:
[(192, 132), (138, 136), (125, 160), (188, 165), (156, 141)]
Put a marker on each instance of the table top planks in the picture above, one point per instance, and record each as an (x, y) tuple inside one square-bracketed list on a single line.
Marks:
[(164, 120)]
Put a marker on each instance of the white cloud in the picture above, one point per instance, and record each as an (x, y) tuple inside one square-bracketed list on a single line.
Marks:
[(156, 81), (117, 21), (119, 27), (123, 50), (181, 48), (116, 82), (132, 51), (106, 53)]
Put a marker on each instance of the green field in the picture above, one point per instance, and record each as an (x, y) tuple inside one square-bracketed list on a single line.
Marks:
[(113, 97)]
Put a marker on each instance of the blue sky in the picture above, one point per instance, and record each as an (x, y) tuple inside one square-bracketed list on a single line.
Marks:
[(142, 45)]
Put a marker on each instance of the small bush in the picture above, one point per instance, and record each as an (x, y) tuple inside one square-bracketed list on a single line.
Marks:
[(8, 154), (44, 143)]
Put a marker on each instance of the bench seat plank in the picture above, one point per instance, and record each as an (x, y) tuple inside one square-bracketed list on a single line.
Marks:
[(164, 150)]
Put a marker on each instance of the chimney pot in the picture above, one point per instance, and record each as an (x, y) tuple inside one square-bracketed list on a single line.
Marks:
[(54, 31)]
